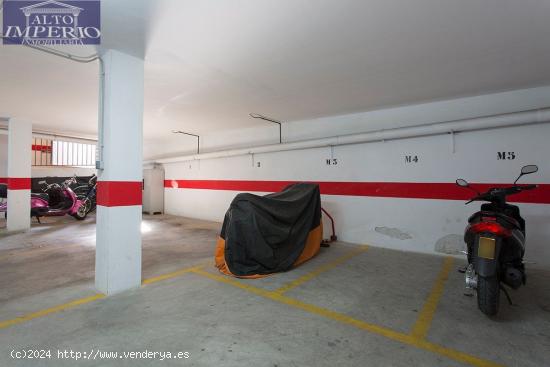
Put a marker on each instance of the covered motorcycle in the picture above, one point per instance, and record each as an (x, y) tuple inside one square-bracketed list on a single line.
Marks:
[(262, 235)]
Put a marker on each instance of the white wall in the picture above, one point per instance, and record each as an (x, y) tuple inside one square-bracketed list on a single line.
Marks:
[(411, 224), (62, 171), (45, 171)]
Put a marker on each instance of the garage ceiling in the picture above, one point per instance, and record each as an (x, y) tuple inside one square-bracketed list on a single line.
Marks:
[(209, 63)]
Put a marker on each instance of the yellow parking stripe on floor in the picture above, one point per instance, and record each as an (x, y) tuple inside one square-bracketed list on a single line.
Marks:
[(319, 270), (424, 321), (48, 311), (411, 339), (376, 329), (174, 274), (82, 301)]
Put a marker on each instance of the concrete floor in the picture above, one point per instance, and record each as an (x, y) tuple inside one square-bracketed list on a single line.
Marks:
[(347, 306)]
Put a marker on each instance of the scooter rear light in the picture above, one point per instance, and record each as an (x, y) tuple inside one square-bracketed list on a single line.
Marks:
[(492, 227)]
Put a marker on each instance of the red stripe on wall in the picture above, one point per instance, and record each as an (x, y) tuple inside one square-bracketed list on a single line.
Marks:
[(263, 186), (42, 148), (4, 180), (18, 183), (119, 193), (409, 190)]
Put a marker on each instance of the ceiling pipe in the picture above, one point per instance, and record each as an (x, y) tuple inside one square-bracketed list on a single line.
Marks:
[(473, 124)]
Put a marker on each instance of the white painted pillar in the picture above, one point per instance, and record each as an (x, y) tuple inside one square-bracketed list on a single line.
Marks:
[(119, 197), (3, 158), (19, 175)]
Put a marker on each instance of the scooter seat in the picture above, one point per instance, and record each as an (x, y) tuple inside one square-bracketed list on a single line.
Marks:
[(42, 196)]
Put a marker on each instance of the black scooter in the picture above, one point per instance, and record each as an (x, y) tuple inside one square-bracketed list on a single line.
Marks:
[(495, 239)]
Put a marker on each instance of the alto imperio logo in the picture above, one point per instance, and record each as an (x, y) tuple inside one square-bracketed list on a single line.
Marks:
[(50, 22)]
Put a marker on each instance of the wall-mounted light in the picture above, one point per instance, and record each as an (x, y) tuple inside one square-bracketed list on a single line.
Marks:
[(197, 136), (262, 117)]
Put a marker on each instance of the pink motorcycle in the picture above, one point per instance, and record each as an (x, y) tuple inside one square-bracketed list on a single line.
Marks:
[(55, 201)]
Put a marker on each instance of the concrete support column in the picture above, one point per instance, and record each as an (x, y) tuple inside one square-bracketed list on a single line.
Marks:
[(19, 175), (119, 196)]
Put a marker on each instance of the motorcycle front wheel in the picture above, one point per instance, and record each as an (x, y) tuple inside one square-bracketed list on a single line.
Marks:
[(81, 213), (488, 294)]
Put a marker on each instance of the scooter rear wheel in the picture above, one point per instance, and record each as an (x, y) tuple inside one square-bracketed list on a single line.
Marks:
[(488, 295)]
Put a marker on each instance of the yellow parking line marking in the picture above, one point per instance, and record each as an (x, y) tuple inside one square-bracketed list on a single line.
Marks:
[(276, 296), (307, 277), (376, 329), (82, 301), (174, 274), (424, 321), (48, 311)]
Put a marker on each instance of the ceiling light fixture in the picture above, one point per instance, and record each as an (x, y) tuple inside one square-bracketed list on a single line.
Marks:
[(262, 117), (197, 136)]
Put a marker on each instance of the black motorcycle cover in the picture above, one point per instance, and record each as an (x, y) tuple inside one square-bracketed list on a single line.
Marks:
[(272, 233)]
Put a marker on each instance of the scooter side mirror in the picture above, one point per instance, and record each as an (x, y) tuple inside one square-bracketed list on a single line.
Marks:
[(531, 168), (526, 170), (463, 183)]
